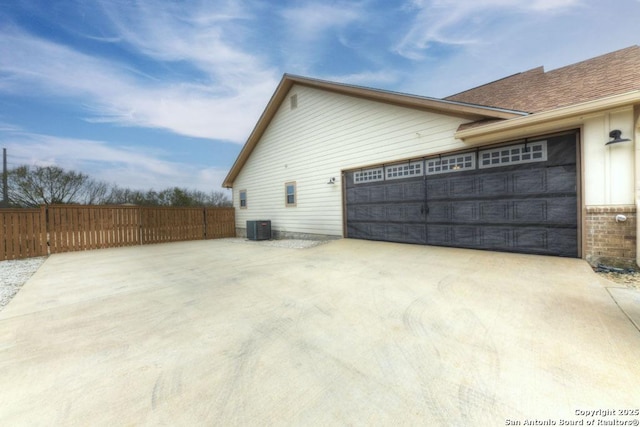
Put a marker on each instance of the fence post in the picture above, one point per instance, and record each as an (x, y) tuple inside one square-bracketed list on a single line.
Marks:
[(204, 223), (44, 230), (140, 225)]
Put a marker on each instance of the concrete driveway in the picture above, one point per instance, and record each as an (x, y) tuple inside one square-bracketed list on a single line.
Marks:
[(346, 333)]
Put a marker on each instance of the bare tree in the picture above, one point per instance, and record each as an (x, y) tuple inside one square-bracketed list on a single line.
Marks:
[(46, 185)]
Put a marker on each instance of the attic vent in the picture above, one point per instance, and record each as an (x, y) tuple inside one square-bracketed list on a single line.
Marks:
[(293, 99)]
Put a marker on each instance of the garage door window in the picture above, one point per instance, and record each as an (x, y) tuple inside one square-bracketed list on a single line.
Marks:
[(368, 175), (514, 154), (455, 163), (404, 170)]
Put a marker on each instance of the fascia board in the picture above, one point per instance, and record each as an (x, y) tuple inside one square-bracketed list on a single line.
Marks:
[(564, 115)]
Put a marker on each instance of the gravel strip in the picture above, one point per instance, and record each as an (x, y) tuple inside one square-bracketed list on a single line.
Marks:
[(14, 274), (630, 280)]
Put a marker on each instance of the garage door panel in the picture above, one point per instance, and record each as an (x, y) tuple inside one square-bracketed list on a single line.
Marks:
[(353, 196), (390, 232), (533, 239), (367, 213), (358, 195), (438, 235), (377, 229), (414, 212), (498, 238), (359, 230), (394, 232), (406, 212), (562, 211), (394, 192), (464, 236), (377, 194), (562, 178), (395, 213), (494, 184), (463, 187), (451, 235), (494, 212), (529, 181), (532, 211), (463, 212), (562, 241), (416, 233), (437, 188), (439, 212), (451, 187), (414, 190), (561, 151)]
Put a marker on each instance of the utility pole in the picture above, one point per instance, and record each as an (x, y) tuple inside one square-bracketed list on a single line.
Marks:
[(5, 185)]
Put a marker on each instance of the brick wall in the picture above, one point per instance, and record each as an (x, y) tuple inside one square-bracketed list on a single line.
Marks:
[(608, 241)]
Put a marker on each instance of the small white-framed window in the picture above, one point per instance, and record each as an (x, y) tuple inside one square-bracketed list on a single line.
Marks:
[(291, 198), (514, 154), (368, 175), (454, 163), (243, 199), (404, 170)]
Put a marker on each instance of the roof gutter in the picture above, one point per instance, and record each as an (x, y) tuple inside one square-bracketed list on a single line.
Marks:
[(546, 119)]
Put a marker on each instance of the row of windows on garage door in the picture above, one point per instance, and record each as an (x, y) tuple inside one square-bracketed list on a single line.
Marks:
[(518, 197)]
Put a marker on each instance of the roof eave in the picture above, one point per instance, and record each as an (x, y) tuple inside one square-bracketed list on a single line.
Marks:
[(494, 130), (261, 125)]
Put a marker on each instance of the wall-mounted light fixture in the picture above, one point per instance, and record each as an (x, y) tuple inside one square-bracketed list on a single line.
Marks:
[(621, 218), (332, 180), (616, 135)]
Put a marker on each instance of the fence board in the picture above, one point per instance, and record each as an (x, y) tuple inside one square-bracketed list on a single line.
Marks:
[(22, 234), (220, 223), (77, 228), (171, 224)]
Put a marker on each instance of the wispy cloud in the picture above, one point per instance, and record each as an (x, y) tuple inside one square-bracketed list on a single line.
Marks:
[(220, 100), (313, 29), (126, 166), (311, 20), (459, 22)]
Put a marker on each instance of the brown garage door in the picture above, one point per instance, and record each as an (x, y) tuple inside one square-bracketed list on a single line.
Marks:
[(519, 197)]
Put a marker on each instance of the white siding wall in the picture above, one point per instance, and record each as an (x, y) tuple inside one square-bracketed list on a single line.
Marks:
[(324, 135), (609, 170)]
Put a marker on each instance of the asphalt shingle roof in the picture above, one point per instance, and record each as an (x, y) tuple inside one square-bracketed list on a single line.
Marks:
[(535, 90)]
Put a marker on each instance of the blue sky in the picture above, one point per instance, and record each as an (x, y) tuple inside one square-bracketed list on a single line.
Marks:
[(154, 94)]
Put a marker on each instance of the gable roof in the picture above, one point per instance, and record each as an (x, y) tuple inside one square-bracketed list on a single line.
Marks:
[(535, 90), (450, 107)]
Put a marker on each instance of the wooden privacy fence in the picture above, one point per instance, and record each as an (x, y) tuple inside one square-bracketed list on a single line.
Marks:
[(64, 228), (23, 233)]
